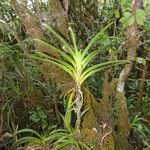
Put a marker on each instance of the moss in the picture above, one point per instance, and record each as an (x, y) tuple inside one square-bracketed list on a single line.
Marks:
[(92, 138), (89, 120), (89, 140), (31, 146), (123, 122), (56, 75), (105, 117), (121, 142), (99, 113), (34, 96)]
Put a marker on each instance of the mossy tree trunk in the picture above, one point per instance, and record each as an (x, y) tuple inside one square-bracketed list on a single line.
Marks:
[(132, 43), (60, 15), (29, 21), (116, 131), (33, 30), (51, 72)]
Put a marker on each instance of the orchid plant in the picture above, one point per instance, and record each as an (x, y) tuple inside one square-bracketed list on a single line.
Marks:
[(75, 62)]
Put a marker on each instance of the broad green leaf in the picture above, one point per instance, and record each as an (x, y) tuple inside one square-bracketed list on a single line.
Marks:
[(42, 115), (140, 16), (34, 117), (131, 21), (125, 19), (127, 14), (147, 10), (116, 13)]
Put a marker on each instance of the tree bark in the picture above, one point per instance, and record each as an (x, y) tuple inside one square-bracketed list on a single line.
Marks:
[(60, 16), (142, 82), (33, 29), (114, 94), (131, 45), (28, 20)]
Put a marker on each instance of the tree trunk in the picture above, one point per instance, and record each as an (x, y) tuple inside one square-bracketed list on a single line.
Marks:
[(60, 16), (33, 29), (29, 21), (114, 96), (132, 43)]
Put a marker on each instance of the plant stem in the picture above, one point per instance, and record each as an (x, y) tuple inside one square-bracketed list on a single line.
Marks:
[(79, 103)]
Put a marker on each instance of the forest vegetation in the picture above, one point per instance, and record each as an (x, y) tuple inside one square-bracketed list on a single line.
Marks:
[(74, 75)]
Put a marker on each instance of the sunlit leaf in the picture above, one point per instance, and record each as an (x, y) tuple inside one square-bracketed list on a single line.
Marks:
[(140, 16), (131, 21)]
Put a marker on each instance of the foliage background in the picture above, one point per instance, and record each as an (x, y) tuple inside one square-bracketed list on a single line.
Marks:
[(31, 92)]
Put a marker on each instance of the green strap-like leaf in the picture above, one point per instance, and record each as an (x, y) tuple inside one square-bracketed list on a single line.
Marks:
[(68, 114), (29, 131), (26, 140), (94, 39), (64, 141), (54, 137), (103, 65), (96, 68), (61, 52), (63, 144), (63, 41), (40, 54), (59, 130), (89, 58), (73, 39), (56, 63)]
